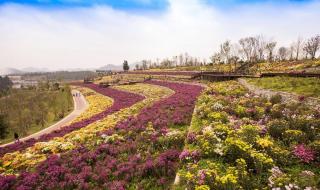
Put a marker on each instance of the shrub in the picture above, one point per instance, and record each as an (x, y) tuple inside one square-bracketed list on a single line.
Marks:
[(259, 113), (236, 148), (209, 144), (281, 155), (191, 137), (219, 117), (276, 111), (294, 136), (276, 99), (308, 126), (240, 111), (265, 142), (222, 131), (262, 162), (307, 179), (316, 147), (249, 133), (276, 128), (173, 138)]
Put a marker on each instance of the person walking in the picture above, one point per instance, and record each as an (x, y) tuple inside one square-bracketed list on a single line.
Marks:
[(16, 137)]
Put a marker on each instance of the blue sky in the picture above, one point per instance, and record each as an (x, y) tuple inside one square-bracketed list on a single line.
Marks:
[(141, 4), (119, 4), (83, 34)]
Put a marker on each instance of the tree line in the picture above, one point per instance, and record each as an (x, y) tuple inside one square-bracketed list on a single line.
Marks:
[(253, 49), (26, 109)]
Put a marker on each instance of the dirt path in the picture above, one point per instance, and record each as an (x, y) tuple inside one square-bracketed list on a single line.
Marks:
[(286, 96), (80, 105)]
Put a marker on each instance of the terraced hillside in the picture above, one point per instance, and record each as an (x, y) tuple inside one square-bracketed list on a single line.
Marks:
[(161, 134)]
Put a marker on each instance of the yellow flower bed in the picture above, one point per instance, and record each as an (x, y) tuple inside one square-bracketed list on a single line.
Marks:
[(11, 163), (122, 78), (97, 103)]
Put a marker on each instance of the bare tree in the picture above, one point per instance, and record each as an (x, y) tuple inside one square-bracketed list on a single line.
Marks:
[(204, 61), (312, 46), (261, 47), (186, 59), (249, 48), (144, 65), (270, 48), (216, 58), (225, 50), (175, 61), (291, 51), (137, 67), (181, 59), (234, 60), (298, 46), (282, 52)]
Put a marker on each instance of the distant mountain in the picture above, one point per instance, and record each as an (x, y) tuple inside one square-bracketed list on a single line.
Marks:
[(34, 70), (8, 71), (111, 67)]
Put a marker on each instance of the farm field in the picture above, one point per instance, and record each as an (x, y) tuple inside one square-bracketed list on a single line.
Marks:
[(173, 135)]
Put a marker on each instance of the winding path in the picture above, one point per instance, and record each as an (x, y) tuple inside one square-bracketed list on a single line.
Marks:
[(121, 100), (80, 105)]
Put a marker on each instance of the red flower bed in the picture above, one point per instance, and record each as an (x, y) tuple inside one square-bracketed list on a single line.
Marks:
[(139, 152), (121, 100)]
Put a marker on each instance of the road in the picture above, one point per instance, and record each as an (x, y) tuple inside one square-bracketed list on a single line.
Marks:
[(80, 105)]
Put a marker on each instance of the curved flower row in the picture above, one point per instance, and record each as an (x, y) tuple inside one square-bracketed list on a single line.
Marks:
[(241, 141), (138, 153), (121, 100), (40, 151), (97, 103)]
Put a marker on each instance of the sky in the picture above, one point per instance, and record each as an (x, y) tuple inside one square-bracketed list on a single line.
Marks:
[(64, 34)]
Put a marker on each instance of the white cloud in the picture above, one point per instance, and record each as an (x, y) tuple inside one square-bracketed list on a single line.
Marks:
[(96, 36)]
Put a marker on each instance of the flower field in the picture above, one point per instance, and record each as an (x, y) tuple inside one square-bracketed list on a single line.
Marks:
[(169, 135), (241, 141), (122, 158), (121, 100), (29, 154), (27, 159)]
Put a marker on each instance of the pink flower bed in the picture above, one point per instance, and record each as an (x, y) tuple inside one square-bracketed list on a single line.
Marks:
[(121, 100)]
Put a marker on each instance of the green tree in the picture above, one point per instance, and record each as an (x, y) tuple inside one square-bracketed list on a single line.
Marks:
[(126, 65), (55, 86), (5, 85), (3, 127)]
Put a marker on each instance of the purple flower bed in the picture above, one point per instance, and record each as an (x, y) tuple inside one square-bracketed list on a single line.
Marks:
[(121, 100), (143, 158)]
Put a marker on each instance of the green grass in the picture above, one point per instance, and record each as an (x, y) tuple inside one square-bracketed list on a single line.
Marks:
[(301, 86)]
